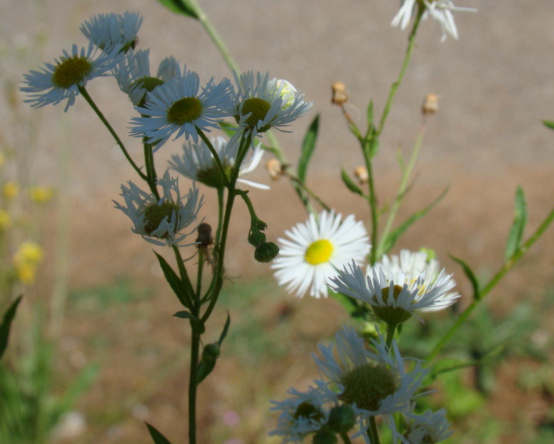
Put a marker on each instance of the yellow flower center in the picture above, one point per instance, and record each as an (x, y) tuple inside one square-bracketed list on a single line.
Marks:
[(154, 214), (258, 108), (184, 110), (319, 252), (71, 71)]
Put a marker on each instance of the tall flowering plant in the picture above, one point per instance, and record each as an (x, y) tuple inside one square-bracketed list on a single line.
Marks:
[(362, 381)]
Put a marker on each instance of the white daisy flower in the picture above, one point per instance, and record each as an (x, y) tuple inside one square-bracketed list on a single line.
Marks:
[(316, 250), (134, 78), (197, 162), (373, 383), (160, 221), (439, 10), (304, 412), (264, 103), (426, 428), (180, 106), (396, 293), (61, 80), (113, 31)]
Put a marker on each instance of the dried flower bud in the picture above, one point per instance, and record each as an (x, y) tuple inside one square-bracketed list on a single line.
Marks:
[(361, 174), (274, 168), (205, 235), (339, 93), (430, 105)]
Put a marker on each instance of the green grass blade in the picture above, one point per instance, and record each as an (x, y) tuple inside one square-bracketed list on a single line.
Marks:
[(9, 315)]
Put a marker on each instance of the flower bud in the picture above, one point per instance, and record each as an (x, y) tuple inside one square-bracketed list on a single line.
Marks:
[(342, 418), (256, 238), (274, 168), (266, 252), (430, 105), (205, 235), (339, 93), (361, 174)]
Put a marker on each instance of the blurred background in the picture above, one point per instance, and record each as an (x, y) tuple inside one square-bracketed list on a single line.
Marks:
[(106, 301)]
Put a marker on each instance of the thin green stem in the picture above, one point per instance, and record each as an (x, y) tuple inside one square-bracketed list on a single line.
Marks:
[(401, 191), (193, 384), (396, 84), (199, 274), (217, 160), (220, 197), (391, 328), (373, 207), (89, 100), (492, 283), (151, 176), (372, 431), (214, 35), (345, 438)]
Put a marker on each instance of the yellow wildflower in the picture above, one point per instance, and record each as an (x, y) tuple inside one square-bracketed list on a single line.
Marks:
[(10, 190), (5, 220), (41, 194)]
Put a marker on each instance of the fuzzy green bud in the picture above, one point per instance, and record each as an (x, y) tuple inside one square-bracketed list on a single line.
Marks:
[(342, 418), (256, 238), (325, 437), (266, 252)]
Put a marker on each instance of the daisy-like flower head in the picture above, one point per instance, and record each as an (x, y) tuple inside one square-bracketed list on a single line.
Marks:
[(180, 106), (134, 78), (373, 383), (161, 221), (304, 412), (61, 80), (197, 162), (428, 428), (439, 10), (316, 250), (263, 103), (396, 293), (113, 31)]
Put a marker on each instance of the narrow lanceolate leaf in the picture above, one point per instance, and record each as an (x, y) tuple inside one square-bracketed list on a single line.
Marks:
[(548, 123), (6, 325), (308, 147), (174, 281), (225, 330), (180, 7), (157, 436), (370, 114), (518, 226), (350, 184), (471, 276), (394, 235)]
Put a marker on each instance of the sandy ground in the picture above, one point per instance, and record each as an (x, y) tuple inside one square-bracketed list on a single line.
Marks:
[(495, 85)]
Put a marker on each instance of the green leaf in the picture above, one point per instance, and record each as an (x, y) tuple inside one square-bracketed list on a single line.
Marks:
[(185, 315), (180, 7), (157, 436), (308, 147), (225, 330), (548, 123), (350, 184), (518, 226), (210, 354), (471, 276), (394, 235), (174, 281), (370, 114), (6, 325)]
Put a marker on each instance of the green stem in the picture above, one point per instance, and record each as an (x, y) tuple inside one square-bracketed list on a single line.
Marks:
[(220, 196), (193, 385), (396, 84), (89, 100), (217, 160), (214, 35), (401, 190), (372, 431), (345, 438), (391, 328), (199, 274), (491, 284), (151, 176), (373, 207)]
